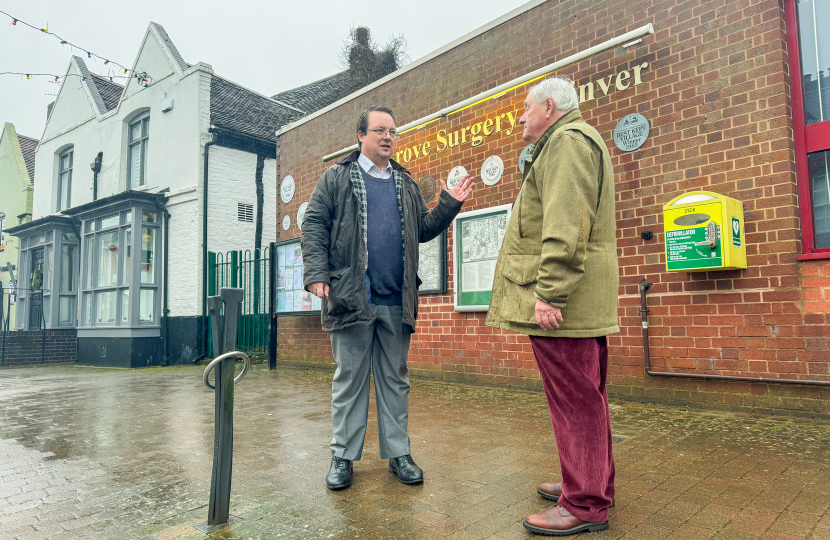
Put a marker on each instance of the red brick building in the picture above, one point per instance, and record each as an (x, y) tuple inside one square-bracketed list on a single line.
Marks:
[(734, 106)]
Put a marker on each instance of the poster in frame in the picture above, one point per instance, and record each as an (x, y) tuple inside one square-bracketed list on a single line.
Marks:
[(477, 237), (290, 297), (432, 265)]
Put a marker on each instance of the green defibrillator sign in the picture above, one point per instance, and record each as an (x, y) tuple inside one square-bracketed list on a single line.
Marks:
[(694, 224)]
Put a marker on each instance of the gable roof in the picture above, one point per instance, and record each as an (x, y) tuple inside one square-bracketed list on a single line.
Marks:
[(110, 92), (236, 108), (314, 96), (174, 52), (28, 147)]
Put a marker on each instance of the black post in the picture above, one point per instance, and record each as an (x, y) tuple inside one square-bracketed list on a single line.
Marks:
[(3, 325), (43, 332), (272, 303), (223, 341)]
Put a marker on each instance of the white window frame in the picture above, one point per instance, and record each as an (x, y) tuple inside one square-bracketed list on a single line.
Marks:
[(65, 178), (140, 144)]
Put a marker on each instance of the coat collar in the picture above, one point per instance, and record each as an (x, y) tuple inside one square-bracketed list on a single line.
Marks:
[(347, 161)]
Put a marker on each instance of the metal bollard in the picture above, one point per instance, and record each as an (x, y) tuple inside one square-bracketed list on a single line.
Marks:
[(224, 340)]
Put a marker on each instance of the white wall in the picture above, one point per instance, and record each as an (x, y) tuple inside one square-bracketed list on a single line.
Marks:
[(175, 156), (232, 180)]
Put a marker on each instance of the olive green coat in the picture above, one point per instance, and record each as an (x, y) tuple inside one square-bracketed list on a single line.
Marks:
[(560, 245)]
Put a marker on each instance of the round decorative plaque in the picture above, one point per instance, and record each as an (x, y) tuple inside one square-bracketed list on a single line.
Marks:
[(301, 215), (286, 223), (492, 170), (524, 156), (428, 186), (631, 132), (455, 176), (287, 189)]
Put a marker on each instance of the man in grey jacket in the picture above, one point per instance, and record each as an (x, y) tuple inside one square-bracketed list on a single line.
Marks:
[(360, 239)]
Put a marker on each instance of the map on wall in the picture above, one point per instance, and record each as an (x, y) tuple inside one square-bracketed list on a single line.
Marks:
[(291, 297), (482, 240), (478, 237), (432, 265)]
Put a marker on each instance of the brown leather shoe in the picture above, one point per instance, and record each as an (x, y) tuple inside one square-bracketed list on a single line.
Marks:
[(552, 492), (559, 522)]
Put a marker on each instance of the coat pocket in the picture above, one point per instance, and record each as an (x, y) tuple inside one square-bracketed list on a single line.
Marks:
[(519, 298), (343, 297)]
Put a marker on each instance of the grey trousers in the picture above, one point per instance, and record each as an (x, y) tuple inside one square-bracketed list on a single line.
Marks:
[(383, 344)]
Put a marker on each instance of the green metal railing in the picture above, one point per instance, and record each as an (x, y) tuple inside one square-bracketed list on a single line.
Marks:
[(250, 272)]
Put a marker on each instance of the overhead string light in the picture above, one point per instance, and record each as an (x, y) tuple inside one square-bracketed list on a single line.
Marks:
[(143, 79)]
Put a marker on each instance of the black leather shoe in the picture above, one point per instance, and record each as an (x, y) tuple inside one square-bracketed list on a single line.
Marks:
[(405, 469), (340, 474)]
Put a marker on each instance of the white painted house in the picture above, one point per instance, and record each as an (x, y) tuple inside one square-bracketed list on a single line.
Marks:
[(134, 184)]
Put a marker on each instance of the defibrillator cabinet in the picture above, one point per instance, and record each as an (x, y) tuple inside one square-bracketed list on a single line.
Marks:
[(704, 233)]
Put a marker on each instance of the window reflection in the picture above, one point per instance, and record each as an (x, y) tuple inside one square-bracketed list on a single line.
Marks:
[(820, 191), (108, 259), (813, 16)]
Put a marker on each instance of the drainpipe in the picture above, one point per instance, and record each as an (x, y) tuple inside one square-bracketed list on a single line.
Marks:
[(96, 168), (208, 144), (164, 310), (645, 286)]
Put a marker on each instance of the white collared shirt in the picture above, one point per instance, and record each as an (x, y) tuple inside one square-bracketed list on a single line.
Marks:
[(372, 169)]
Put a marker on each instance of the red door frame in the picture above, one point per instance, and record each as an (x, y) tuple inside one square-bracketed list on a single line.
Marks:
[(812, 138)]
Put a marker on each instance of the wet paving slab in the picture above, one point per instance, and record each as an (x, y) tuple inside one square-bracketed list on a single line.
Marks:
[(117, 454)]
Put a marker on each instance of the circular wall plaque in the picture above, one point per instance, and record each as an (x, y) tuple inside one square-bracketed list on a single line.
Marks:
[(427, 184), (287, 189), (631, 132), (524, 156), (286, 223), (455, 176), (492, 170), (301, 215)]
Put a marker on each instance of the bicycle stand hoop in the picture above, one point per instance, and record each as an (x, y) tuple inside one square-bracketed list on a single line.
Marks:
[(219, 359)]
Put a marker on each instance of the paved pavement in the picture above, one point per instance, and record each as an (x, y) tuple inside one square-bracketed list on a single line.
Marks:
[(106, 454)]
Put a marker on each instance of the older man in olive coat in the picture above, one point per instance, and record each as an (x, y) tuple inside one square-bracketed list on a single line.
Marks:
[(557, 281)]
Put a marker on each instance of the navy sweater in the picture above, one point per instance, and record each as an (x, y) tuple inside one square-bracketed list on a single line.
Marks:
[(385, 241)]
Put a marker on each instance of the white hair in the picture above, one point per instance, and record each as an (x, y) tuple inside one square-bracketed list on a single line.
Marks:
[(559, 88)]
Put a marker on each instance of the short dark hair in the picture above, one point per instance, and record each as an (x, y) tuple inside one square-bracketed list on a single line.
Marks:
[(363, 119)]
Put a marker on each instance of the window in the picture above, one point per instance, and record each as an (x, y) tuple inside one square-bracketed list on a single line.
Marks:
[(120, 289), (64, 178), (138, 135), (245, 212), (809, 49)]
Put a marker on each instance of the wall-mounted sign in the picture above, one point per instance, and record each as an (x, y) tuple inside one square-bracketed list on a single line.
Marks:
[(291, 297), (428, 186), (455, 176), (492, 170), (432, 265), (286, 223), (287, 189), (631, 132), (527, 151), (457, 137), (477, 235), (301, 215)]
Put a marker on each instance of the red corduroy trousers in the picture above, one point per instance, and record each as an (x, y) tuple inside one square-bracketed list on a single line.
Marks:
[(573, 374)]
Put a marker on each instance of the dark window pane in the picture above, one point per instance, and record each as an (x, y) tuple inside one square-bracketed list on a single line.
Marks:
[(819, 164)]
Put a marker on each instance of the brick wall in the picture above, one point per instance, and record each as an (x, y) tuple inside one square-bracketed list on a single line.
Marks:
[(35, 347), (715, 89)]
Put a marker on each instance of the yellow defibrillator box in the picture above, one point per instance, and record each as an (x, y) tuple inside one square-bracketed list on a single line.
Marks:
[(704, 233)]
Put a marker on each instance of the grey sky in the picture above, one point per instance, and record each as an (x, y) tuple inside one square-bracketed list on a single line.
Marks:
[(266, 46)]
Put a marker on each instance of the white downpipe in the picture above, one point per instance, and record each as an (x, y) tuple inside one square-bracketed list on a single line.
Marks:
[(565, 62)]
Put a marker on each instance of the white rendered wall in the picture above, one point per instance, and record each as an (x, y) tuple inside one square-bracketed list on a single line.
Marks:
[(232, 180), (175, 159)]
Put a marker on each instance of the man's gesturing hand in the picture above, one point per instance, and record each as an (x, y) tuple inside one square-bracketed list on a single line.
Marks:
[(319, 289), (548, 316), (462, 189)]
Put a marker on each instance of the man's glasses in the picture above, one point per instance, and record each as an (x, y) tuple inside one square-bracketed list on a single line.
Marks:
[(392, 133)]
